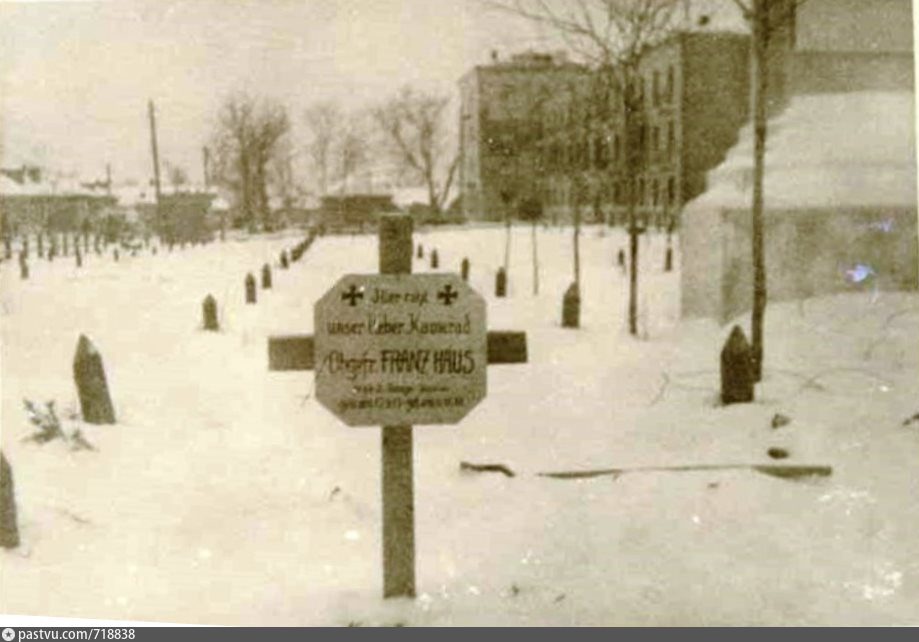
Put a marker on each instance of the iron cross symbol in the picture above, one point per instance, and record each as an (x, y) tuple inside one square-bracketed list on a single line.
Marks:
[(447, 294), (352, 295)]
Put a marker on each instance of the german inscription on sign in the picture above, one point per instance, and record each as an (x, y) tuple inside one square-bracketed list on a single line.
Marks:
[(400, 349)]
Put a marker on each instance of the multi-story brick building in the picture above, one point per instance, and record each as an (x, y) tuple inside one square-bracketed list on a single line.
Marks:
[(538, 127), (694, 95), (501, 125)]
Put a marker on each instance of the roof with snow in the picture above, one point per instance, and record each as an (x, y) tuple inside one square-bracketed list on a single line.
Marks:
[(826, 150)]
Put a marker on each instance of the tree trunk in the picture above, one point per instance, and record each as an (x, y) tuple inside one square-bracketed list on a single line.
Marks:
[(633, 156), (577, 240), (507, 238), (535, 261), (760, 76)]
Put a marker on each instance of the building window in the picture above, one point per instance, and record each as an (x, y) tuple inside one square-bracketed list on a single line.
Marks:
[(671, 190), (670, 75), (601, 152), (656, 139), (655, 192), (641, 191), (671, 139), (656, 89)]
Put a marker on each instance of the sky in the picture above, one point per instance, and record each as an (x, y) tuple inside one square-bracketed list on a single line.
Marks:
[(75, 77)]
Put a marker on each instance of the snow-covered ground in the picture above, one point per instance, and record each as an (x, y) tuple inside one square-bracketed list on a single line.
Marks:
[(225, 494)]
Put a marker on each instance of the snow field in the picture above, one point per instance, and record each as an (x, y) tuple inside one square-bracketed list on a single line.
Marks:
[(226, 494)]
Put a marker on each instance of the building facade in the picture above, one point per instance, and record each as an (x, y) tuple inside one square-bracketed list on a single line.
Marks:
[(538, 128), (693, 97), (501, 124)]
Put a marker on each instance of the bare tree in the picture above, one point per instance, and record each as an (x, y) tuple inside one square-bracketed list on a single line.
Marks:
[(178, 177), (612, 36), (352, 151), (765, 17), (521, 173), (324, 121), (248, 136), (414, 127)]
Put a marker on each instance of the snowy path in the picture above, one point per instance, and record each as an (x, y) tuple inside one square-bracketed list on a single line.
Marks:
[(226, 494)]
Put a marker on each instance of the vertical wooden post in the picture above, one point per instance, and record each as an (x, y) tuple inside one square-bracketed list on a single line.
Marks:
[(397, 457), (151, 112)]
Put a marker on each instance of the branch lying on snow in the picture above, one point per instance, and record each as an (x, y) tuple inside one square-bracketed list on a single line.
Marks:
[(663, 389), (784, 471), (49, 427), (869, 351), (487, 468), (812, 382)]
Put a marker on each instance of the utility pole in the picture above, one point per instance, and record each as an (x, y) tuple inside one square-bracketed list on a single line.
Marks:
[(156, 166), (206, 159)]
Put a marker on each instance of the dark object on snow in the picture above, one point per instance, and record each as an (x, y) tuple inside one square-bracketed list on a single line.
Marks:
[(620, 258), (464, 269), (41, 245), (78, 255), (487, 468), (501, 283), (786, 471), (284, 262), (571, 307), (668, 260), (89, 375), (250, 288), (736, 369), (780, 420), (209, 311), (914, 418), (777, 453), (47, 423), (420, 253), (9, 527), (435, 260), (23, 266), (266, 277)]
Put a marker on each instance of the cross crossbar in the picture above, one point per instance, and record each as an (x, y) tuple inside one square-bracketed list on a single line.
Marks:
[(297, 351)]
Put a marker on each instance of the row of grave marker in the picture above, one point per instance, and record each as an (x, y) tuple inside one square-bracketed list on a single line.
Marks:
[(209, 307)]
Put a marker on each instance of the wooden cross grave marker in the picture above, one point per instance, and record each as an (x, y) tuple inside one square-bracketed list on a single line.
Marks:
[(396, 350)]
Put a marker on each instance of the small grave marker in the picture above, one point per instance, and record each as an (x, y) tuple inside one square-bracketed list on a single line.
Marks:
[(501, 283), (209, 312), (420, 253), (571, 307), (9, 526), (250, 288), (89, 376), (266, 277), (668, 260), (464, 269), (23, 266), (284, 262), (78, 256), (435, 260), (736, 369)]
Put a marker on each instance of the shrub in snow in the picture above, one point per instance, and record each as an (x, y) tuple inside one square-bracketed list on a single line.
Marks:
[(48, 427)]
